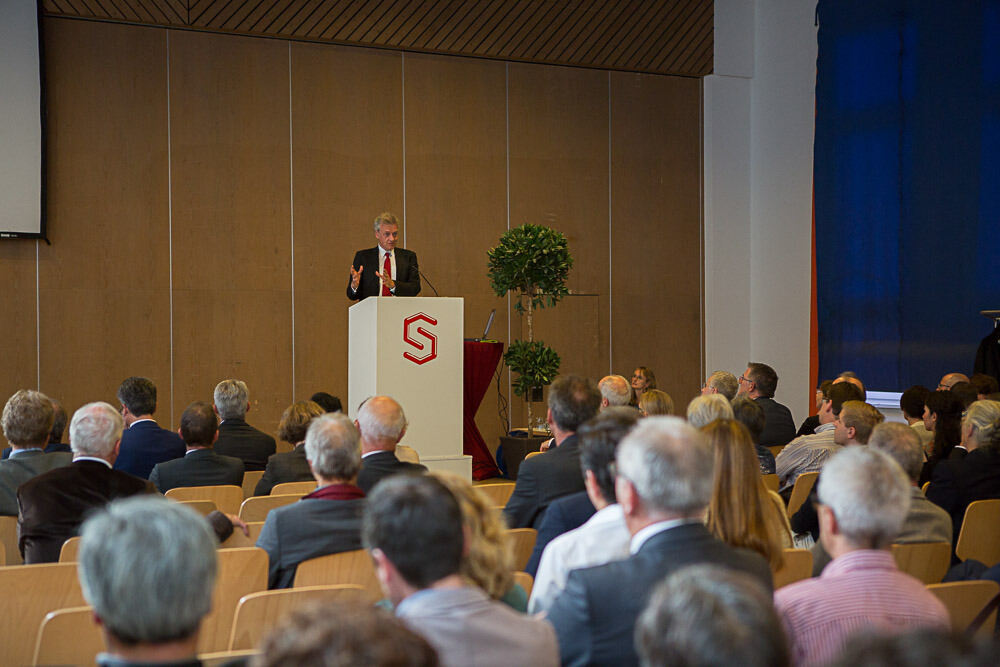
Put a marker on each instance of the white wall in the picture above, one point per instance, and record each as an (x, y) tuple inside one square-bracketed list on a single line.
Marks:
[(758, 124)]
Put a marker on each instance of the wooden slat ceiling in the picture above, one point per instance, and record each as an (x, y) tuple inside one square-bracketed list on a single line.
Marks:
[(652, 36)]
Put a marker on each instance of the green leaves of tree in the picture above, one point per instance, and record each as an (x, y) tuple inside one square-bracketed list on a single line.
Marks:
[(533, 261), (536, 363)]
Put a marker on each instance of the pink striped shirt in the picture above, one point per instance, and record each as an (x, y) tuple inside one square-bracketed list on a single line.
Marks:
[(860, 590)]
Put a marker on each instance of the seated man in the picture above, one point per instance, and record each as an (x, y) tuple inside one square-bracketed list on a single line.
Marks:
[(55, 443), (911, 402), (615, 391), (382, 424), (749, 413), (291, 466), (27, 421), (413, 528), (237, 438), (721, 382), (199, 466), (864, 497), (148, 567), (144, 442), (328, 520), (759, 382)]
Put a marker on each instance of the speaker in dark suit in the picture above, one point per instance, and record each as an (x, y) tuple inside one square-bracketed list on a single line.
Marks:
[(403, 278), (199, 467)]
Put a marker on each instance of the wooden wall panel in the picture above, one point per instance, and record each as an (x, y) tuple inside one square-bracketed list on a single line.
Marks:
[(229, 113), (104, 281), (656, 210), (18, 354), (348, 167), (457, 190)]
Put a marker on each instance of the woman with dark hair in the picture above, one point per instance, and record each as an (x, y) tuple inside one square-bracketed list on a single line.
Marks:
[(642, 379), (942, 416)]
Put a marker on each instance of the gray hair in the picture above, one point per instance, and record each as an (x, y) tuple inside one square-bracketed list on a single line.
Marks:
[(231, 399), (381, 419), (385, 218), (27, 418), (703, 410), (723, 382), (868, 493), (710, 615), (984, 418), (616, 390), (147, 565), (902, 444), (332, 446), (670, 464), (95, 430)]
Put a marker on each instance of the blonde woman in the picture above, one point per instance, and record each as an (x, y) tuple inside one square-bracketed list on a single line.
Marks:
[(655, 402)]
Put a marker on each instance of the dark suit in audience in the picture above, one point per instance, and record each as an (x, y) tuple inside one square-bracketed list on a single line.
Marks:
[(378, 465), (144, 444), (957, 483), (21, 467), (284, 467), (51, 448), (779, 429), (542, 479), (563, 515), (237, 438), (198, 467)]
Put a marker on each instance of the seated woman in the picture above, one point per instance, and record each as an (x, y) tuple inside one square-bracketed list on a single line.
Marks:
[(655, 402), (290, 466), (943, 416), (703, 410), (643, 379)]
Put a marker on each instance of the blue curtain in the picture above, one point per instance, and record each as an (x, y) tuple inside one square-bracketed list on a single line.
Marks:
[(907, 160)]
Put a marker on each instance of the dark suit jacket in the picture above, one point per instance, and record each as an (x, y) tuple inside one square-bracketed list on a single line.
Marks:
[(595, 615), (958, 453), (50, 448), (407, 274), (956, 483), (55, 503), (18, 470), (199, 467), (144, 444), (563, 515), (240, 440), (284, 467), (376, 466), (542, 479), (779, 429)]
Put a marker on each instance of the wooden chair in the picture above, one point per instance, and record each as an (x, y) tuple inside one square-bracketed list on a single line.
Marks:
[(530, 454), (498, 494), (800, 492), (241, 572), (238, 539), (522, 543), (227, 497), (69, 550), (27, 594), (259, 613), (293, 488), (924, 487), (407, 453), (964, 600), (980, 534), (250, 479), (771, 482), (776, 449), (256, 508), (219, 658), (348, 567), (68, 637), (927, 561), (798, 566), (525, 580), (202, 507), (8, 536), (3, 554)]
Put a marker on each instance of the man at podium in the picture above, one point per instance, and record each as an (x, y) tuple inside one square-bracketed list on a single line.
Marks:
[(384, 270)]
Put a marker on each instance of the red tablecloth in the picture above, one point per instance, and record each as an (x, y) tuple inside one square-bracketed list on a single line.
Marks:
[(481, 361)]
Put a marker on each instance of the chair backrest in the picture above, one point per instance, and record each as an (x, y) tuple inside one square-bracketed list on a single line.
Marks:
[(250, 479), (68, 637), (3, 554), (259, 613), (927, 561), (498, 493), (771, 482), (964, 600), (227, 497), (530, 454), (256, 508), (776, 449), (8, 536), (800, 492), (241, 572), (347, 567), (924, 487), (407, 453), (27, 594), (202, 507), (980, 535), (798, 566), (220, 658), (238, 539), (525, 580), (522, 543), (293, 488), (69, 550)]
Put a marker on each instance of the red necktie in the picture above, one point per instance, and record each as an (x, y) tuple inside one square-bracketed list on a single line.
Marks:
[(387, 272)]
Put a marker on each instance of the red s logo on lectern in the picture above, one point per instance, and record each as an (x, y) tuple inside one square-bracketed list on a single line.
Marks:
[(409, 324)]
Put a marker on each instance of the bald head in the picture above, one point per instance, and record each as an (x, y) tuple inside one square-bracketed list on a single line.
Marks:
[(381, 423), (853, 379), (615, 391), (949, 380)]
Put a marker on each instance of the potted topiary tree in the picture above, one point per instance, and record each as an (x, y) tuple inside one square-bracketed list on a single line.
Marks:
[(533, 262)]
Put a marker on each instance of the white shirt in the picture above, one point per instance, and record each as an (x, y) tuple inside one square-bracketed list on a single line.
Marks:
[(602, 539), (91, 458)]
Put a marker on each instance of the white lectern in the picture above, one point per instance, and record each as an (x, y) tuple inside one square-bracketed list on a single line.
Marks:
[(410, 348)]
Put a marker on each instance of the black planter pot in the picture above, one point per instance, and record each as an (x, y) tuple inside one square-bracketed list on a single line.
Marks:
[(515, 449)]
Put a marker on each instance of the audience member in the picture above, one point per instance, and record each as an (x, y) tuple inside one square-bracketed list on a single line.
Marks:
[(338, 634), (328, 520), (949, 380), (911, 402), (144, 443), (759, 382), (382, 425), (917, 648), (664, 484), (855, 422), (55, 443), (615, 391), (27, 421), (236, 437), (809, 424), (55, 503), (604, 537), (291, 466), (943, 417), (200, 466), (707, 615), (864, 498), (852, 377), (749, 413), (654, 402), (328, 402), (413, 528), (147, 566), (556, 473), (643, 379), (965, 392), (721, 382), (703, 410), (985, 385)]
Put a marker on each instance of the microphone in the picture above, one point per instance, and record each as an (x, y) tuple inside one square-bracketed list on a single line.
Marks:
[(428, 282)]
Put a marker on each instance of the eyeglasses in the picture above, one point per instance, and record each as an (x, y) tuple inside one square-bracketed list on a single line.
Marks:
[(743, 379)]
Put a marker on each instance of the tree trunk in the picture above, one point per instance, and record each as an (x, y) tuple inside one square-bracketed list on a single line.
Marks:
[(531, 338)]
